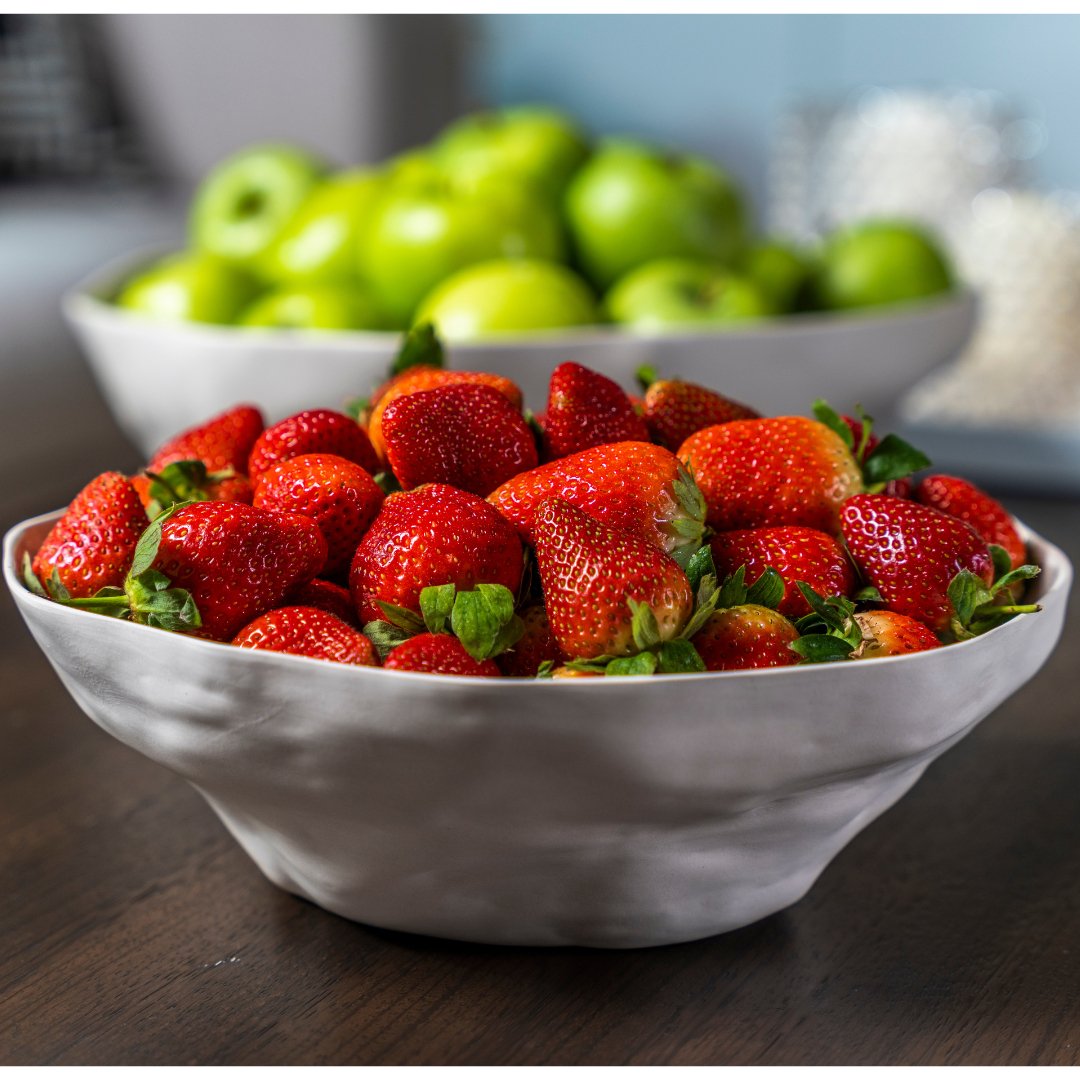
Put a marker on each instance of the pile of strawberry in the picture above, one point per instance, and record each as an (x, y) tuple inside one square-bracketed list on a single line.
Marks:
[(446, 531)]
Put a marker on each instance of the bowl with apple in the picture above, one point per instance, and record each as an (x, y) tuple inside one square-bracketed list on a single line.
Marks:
[(525, 246)]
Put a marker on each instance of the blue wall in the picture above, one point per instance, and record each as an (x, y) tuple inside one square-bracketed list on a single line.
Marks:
[(717, 83)]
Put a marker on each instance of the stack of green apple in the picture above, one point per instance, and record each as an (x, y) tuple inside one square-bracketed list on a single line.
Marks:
[(509, 222)]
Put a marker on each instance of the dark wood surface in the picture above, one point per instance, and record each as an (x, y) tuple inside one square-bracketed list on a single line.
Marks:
[(133, 930)]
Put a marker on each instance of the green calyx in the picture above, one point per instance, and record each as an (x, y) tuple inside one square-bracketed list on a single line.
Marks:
[(420, 347), (646, 375), (978, 607), (482, 619), (182, 482), (891, 459), (689, 526), (146, 596), (830, 632)]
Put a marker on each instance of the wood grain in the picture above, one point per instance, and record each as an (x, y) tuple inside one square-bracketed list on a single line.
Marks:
[(135, 931)]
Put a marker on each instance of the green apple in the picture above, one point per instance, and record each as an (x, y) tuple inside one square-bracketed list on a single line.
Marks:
[(506, 296), (669, 293), (630, 204), (782, 271), (246, 201), (535, 145), (189, 287), (427, 225), (880, 262), (321, 241), (316, 307)]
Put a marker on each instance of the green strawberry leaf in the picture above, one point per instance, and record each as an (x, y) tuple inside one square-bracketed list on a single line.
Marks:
[(825, 414), (387, 481), (402, 617), (484, 621), (821, 648), (768, 590), (147, 548), (644, 626), (733, 589), (699, 565), (420, 346), (30, 579), (690, 526), (967, 592), (356, 407), (868, 595), (892, 459), (707, 603), (385, 636), (57, 589), (643, 664), (1001, 559), (151, 601), (596, 665), (183, 481), (678, 657), (545, 669), (436, 604), (646, 375), (1022, 573)]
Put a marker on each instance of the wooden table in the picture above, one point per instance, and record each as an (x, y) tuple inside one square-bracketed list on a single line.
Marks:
[(134, 930)]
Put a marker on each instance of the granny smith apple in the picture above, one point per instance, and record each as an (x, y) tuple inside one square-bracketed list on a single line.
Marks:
[(316, 307), (506, 296), (246, 201), (881, 262), (668, 293), (630, 204), (428, 224), (782, 271), (189, 287), (320, 242), (536, 145)]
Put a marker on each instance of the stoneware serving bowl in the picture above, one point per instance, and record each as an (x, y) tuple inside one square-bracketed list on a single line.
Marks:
[(160, 379), (603, 812)]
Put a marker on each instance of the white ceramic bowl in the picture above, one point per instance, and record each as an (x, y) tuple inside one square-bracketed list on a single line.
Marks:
[(604, 812), (160, 379)]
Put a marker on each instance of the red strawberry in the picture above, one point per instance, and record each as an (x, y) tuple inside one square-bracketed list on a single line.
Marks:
[(461, 434), (91, 546), (795, 552), (888, 633), (221, 443), (534, 647), (674, 410), (183, 481), (595, 576), (784, 470), (634, 486), (326, 596), (585, 409), (308, 631), (237, 561), (314, 431), (415, 379), (746, 636), (337, 494), (438, 654), (901, 488), (910, 553), (432, 535), (962, 499)]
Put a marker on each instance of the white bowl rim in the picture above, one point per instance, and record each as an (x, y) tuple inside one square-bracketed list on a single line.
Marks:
[(1054, 562), (81, 303)]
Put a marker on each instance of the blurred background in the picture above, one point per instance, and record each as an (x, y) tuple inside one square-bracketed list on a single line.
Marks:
[(107, 123)]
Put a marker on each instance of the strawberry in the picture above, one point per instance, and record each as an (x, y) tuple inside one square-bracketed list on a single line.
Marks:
[(432, 535), (462, 434), (864, 443), (607, 591), (438, 654), (326, 596), (92, 545), (314, 431), (308, 631), (795, 552), (420, 378), (888, 633), (190, 481), (223, 443), (536, 646), (631, 486), (745, 636), (785, 470), (674, 409), (962, 499), (340, 496), (910, 553), (584, 409)]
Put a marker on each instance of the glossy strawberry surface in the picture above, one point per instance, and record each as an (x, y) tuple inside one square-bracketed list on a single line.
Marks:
[(224, 442), (438, 654), (308, 631), (746, 636), (590, 572), (339, 495), (326, 596), (795, 552), (888, 633), (314, 431), (785, 470), (462, 434), (910, 553), (237, 561), (534, 647), (962, 499), (674, 410), (432, 535), (585, 409), (91, 546)]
